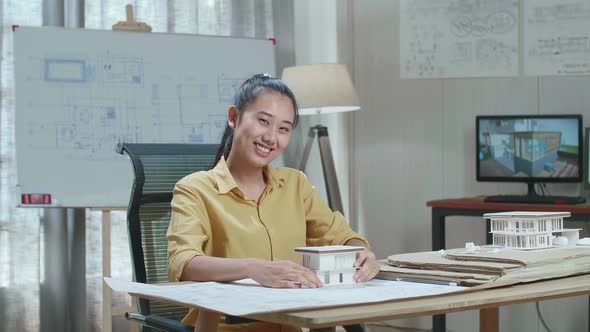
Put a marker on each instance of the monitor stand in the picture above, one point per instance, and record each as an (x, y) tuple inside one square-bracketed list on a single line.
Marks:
[(533, 198)]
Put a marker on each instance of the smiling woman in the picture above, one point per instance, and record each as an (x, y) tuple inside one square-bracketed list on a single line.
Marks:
[(259, 124), (243, 218), (273, 92)]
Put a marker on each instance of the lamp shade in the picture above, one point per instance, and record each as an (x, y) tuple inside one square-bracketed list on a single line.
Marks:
[(321, 88)]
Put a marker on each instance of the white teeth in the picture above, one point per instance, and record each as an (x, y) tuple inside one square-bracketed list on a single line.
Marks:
[(262, 148)]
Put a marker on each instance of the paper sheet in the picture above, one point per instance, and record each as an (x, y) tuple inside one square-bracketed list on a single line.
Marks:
[(450, 38), (249, 298), (556, 37)]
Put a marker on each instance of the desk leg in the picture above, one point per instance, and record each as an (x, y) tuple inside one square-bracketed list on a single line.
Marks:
[(439, 323), (207, 321), (438, 230), (438, 243), (488, 320)]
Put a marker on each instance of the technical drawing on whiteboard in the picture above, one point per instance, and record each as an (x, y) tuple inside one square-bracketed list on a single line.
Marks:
[(452, 38), (87, 90), (102, 97), (556, 37)]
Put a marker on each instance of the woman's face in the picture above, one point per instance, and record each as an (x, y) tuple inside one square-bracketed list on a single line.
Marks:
[(262, 130)]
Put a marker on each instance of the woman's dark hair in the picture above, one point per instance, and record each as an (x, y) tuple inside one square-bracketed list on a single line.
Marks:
[(246, 94)]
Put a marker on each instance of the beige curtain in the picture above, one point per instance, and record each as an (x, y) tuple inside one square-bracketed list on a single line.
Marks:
[(21, 251)]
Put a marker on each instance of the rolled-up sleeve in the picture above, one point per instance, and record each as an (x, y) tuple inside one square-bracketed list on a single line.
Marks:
[(189, 229), (324, 226)]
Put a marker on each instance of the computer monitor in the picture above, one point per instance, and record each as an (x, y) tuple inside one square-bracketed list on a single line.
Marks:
[(529, 149)]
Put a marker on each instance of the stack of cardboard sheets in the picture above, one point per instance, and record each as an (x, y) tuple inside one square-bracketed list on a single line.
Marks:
[(488, 265)]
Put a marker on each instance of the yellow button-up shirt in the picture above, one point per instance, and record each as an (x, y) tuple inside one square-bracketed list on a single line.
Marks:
[(211, 216)]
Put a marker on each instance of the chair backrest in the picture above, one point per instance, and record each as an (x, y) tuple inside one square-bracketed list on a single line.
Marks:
[(157, 168)]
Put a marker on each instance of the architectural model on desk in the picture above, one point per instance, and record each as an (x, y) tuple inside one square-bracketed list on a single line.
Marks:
[(333, 265), (530, 230)]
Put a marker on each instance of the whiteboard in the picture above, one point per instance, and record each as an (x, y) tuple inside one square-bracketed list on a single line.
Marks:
[(80, 92), (556, 37), (456, 38)]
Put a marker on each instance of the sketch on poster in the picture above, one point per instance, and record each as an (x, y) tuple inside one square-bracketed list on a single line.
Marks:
[(556, 37), (453, 38)]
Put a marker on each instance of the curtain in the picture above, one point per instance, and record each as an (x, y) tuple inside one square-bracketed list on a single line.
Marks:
[(21, 242), (19, 228)]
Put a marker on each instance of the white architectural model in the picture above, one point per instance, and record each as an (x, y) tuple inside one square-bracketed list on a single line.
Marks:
[(530, 230), (333, 265)]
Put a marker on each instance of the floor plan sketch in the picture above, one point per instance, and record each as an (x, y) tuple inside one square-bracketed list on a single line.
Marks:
[(453, 38), (122, 70), (80, 96), (108, 99), (556, 37)]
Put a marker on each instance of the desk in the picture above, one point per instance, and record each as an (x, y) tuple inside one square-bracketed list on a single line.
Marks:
[(475, 206), (323, 319), (481, 299)]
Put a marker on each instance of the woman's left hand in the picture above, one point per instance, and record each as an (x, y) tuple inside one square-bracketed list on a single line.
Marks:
[(369, 267)]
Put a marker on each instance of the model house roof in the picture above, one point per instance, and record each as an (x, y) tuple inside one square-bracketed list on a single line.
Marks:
[(328, 250), (526, 214)]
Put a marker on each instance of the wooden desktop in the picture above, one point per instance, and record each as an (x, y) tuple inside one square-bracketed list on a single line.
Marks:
[(486, 300)]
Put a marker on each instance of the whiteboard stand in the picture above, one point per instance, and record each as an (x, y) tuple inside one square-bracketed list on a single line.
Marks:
[(77, 254), (107, 300), (126, 80), (107, 297)]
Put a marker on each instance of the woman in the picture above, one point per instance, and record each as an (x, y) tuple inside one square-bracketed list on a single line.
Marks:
[(243, 218)]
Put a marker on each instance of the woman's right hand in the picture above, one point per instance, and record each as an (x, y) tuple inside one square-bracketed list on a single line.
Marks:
[(283, 274)]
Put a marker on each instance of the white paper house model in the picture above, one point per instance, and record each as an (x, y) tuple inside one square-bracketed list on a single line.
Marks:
[(333, 265), (529, 230)]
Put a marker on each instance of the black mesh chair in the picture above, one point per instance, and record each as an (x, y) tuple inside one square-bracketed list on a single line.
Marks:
[(157, 168)]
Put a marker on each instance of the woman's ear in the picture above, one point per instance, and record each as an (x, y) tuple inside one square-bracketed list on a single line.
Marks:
[(232, 116)]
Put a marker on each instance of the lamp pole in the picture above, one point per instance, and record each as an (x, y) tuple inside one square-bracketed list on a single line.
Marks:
[(328, 167)]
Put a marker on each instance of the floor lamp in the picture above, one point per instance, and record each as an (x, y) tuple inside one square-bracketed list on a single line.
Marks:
[(322, 89)]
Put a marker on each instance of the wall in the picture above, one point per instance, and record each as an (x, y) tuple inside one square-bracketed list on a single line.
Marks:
[(414, 142)]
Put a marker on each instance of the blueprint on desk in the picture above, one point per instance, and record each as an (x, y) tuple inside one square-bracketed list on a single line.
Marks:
[(244, 298), (80, 92)]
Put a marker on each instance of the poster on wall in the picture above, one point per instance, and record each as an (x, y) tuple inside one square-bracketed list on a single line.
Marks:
[(458, 38), (556, 37)]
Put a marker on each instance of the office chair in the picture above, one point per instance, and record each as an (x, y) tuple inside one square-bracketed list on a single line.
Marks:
[(157, 168)]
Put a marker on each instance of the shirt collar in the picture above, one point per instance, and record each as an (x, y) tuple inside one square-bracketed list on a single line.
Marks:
[(274, 178), (226, 183)]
